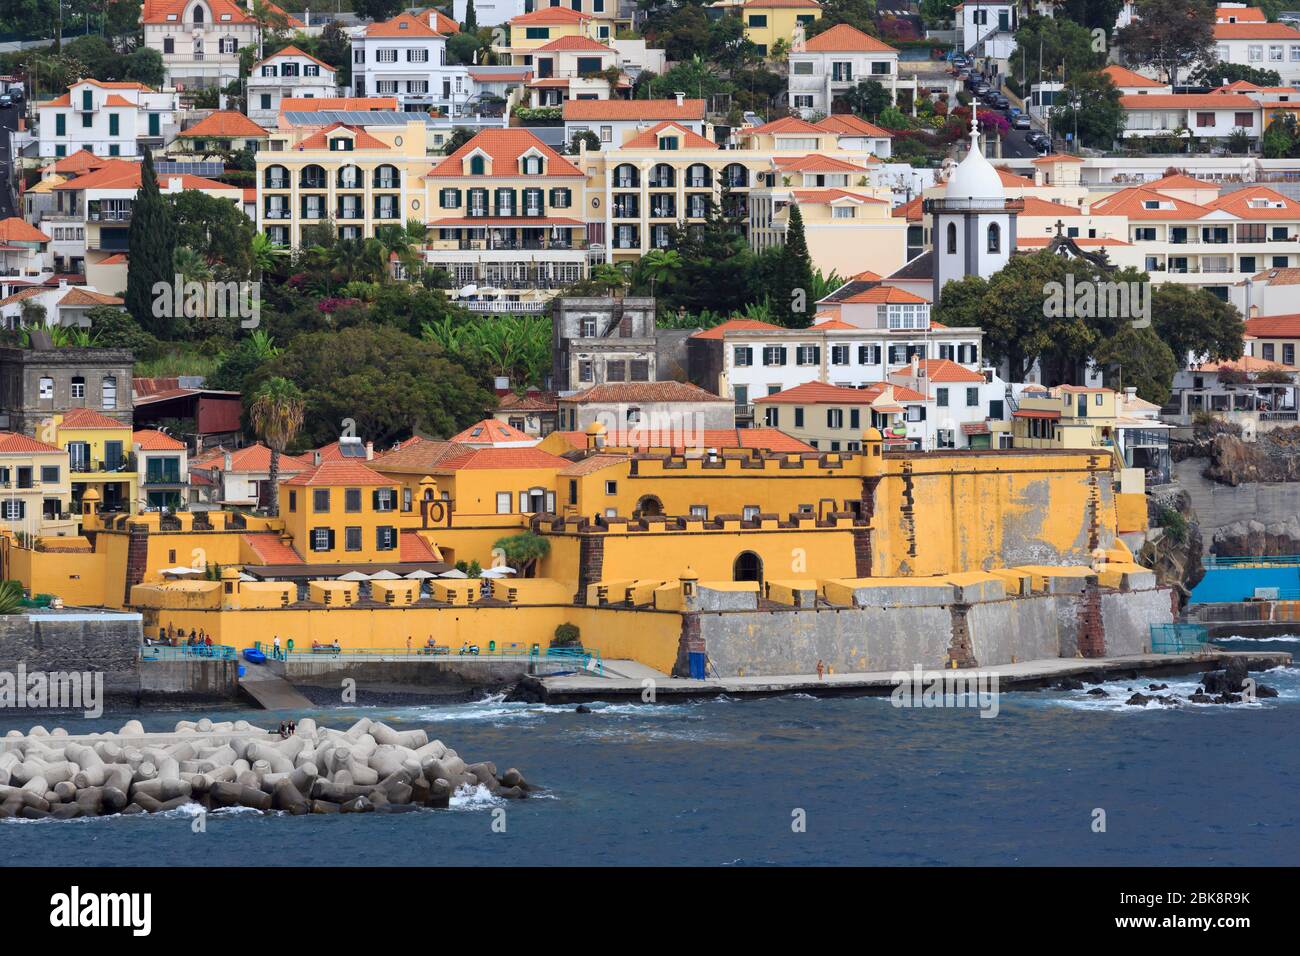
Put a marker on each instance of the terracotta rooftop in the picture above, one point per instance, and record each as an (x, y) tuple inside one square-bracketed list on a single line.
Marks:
[(345, 471), (489, 432), (13, 443), (737, 325), (88, 418), (647, 392), (643, 110), (223, 124), (151, 439), (271, 549)]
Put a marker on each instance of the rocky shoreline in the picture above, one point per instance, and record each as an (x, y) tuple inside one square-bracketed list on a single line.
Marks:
[(368, 767), (1225, 686)]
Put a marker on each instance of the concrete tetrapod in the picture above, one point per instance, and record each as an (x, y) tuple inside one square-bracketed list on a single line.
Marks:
[(369, 767)]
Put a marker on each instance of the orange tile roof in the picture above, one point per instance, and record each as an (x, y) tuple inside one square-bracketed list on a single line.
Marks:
[(644, 110), (1255, 31), (223, 124), (88, 298), (1241, 14), (737, 325), (1055, 158), (1033, 206), (14, 229), (13, 443), (816, 162), (594, 463), (1083, 241), (1274, 326), (402, 25), (292, 50), (531, 402), (1131, 203), (360, 138), (649, 139), (495, 458), (1288, 276), (269, 547), (299, 104), (642, 392), (889, 294), (833, 324), (338, 473), (786, 124), (1191, 101), (125, 174), (1121, 76), (151, 439), (941, 370), (913, 211), (413, 549), (573, 43), (1242, 203), (490, 431), (1012, 179), (220, 12), (783, 4), (1247, 363), (823, 393), (22, 294), (118, 101), (505, 147), (550, 15), (252, 458), (88, 418), (847, 123), (116, 259), (843, 38), (81, 161), (1179, 181), (826, 196)]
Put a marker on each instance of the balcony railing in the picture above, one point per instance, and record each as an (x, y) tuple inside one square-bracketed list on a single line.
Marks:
[(89, 466), (534, 305)]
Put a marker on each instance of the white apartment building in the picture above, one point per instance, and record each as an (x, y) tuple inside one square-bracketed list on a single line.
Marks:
[(200, 40), (834, 62), (109, 119), (988, 27), (288, 73), (1187, 231), (491, 13), (1202, 115), (877, 332), (1242, 35), (406, 57)]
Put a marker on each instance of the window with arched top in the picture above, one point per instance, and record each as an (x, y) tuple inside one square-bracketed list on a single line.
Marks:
[(736, 175), (662, 176), (199, 14), (276, 177), (995, 237), (350, 178), (387, 177), (477, 165), (625, 176), (699, 176), (532, 165), (312, 177), (952, 238)]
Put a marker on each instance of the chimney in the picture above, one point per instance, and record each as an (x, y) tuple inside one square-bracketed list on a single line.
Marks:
[(916, 365), (1130, 393), (681, 97), (174, 184), (63, 284), (315, 458), (227, 462), (370, 451)]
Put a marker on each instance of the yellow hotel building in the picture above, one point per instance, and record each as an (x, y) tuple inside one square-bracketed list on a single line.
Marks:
[(768, 22)]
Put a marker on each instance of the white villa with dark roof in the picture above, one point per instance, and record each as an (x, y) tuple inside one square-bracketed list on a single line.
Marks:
[(406, 57)]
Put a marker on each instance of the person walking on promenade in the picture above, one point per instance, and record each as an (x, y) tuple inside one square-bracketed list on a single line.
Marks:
[(276, 652), (408, 643)]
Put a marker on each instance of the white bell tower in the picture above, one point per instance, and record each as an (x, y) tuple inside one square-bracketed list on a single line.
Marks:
[(974, 225)]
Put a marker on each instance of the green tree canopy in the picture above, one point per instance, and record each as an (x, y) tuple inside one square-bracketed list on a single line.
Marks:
[(1170, 35), (151, 244)]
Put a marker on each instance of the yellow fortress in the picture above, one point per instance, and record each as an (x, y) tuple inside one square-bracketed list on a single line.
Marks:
[(765, 561)]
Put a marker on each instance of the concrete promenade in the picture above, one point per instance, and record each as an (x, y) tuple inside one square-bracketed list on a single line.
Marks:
[(627, 679)]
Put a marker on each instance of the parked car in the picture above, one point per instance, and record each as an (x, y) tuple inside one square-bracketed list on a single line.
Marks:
[(1001, 102), (1020, 121), (6, 101)]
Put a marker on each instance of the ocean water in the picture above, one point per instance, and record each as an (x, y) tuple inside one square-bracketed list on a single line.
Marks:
[(724, 782)]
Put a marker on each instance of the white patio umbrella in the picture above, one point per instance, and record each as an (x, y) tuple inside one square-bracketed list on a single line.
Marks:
[(244, 576), (420, 574), (453, 573), (497, 572), (385, 575), (354, 576), (180, 570)]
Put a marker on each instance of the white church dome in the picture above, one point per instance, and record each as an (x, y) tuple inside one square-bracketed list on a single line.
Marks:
[(975, 177)]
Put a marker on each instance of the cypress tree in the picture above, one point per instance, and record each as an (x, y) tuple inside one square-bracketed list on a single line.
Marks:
[(471, 17), (151, 245), (792, 286)]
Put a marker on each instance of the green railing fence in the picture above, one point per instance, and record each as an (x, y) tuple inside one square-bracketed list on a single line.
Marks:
[(1179, 639)]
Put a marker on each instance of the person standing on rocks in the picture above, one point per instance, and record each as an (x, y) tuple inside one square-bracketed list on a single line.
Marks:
[(821, 669)]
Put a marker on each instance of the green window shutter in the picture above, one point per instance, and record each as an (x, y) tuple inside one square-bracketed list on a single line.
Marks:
[(114, 124), (60, 124), (155, 128)]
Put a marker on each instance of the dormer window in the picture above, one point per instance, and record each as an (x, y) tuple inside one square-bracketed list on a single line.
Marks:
[(340, 144), (225, 16), (668, 142), (532, 165), (402, 26), (171, 16), (477, 166), (199, 15)]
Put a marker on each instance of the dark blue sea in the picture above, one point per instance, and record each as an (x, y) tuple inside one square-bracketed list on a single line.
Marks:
[(719, 783)]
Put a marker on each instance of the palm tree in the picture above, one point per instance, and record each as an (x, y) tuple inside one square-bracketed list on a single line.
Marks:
[(263, 346), (190, 265), (609, 276), (11, 597), (659, 265), (263, 253), (277, 415), (524, 550)]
